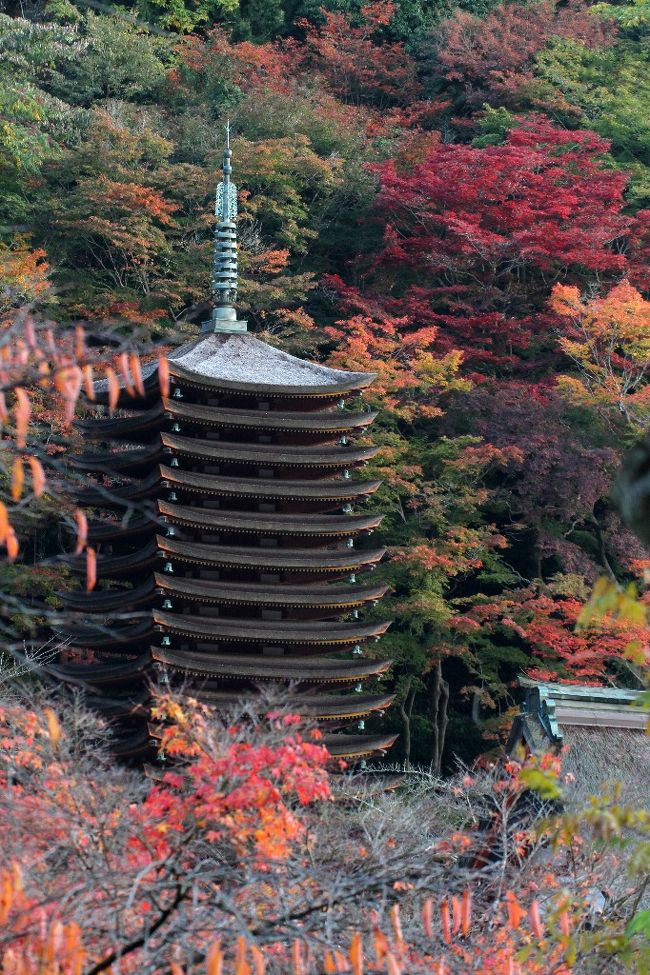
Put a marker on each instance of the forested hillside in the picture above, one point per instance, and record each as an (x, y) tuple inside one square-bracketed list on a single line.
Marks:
[(454, 196)]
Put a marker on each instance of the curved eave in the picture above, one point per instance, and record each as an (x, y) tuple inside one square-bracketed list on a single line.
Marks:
[(233, 487), (337, 421), (358, 746), (115, 707), (135, 745), (260, 668), (273, 524), (268, 455), (130, 527), (107, 637), (116, 564), (268, 631), (101, 495), (102, 673), (119, 460), (306, 560), (347, 383), (244, 594), (101, 602), (322, 707), (134, 426)]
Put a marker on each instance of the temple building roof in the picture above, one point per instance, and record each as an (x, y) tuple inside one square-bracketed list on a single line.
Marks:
[(241, 362), (600, 733)]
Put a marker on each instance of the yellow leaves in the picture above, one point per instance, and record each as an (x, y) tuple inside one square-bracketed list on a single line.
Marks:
[(608, 340), (609, 599)]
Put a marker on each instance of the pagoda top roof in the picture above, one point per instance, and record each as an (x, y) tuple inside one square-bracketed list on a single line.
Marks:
[(242, 362)]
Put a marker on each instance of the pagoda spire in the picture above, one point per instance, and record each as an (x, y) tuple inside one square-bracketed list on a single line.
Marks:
[(224, 265)]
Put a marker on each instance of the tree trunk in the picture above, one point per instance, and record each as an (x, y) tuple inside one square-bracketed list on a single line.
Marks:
[(476, 704), (406, 710), (439, 717)]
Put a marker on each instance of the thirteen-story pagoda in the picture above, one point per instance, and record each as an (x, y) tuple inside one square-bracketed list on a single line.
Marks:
[(230, 551)]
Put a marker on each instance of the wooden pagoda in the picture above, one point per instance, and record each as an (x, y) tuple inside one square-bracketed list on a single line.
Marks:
[(230, 551)]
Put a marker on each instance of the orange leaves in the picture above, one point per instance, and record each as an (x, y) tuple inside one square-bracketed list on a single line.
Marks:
[(38, 475), (11, 544), (82, 531), (534, 918), (91, 569), (163, 376), (515, 911), (53, 726), (445, 921), (136, 372), (17, 479), (22, 412), (67, 382), (356, 954), (113, 388), (214, 961), (88, 382)]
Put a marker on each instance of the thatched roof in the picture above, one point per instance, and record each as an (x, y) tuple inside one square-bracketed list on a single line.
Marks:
[(600, 733)]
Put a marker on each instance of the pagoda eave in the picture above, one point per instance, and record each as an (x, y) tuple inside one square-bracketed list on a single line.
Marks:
[(250, 522), (107, 600), (225, 487), (267, 455), (313, 421), (268, 631), (280, 559), (307, 670), (250, 594), (358, 746)]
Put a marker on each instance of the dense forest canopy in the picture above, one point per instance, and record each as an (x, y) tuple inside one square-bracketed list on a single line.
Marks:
[(454, 196)]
